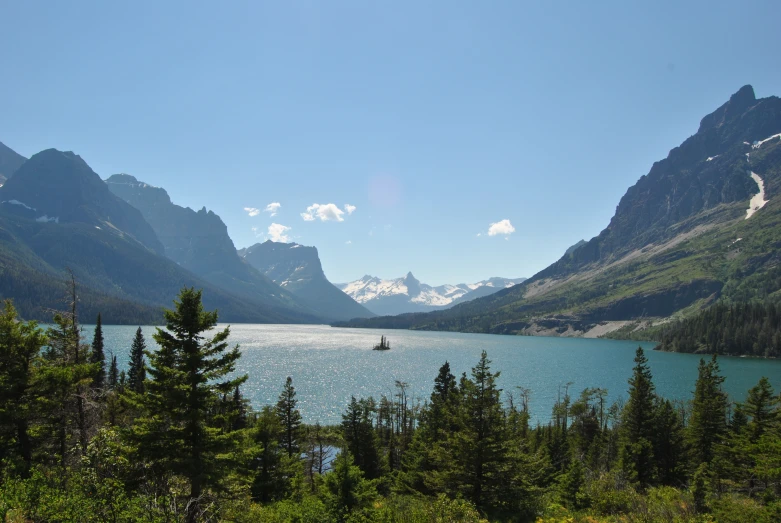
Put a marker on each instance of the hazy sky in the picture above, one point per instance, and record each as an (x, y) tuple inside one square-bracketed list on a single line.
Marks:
[(431, 120)]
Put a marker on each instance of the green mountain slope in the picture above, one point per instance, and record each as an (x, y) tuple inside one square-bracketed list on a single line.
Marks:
[(57, 214), (60, 187), (679, 240), (297, 268)]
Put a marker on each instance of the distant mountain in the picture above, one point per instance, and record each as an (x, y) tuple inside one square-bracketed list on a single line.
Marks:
[(199, 242), (56, 214), (407, 294), (297, 269), (703, 225), (60, 187), (10, 161)]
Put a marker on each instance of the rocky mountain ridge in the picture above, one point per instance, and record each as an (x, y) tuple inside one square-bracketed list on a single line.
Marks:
[(297, 268)]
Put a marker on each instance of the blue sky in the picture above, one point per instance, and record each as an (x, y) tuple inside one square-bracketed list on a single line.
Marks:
[(433, 119)]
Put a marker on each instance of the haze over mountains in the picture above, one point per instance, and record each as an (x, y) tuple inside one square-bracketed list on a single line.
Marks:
[(131, 249), (407, 294), (703, 224)]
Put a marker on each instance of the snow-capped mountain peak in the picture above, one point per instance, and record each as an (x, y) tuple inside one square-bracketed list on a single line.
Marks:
[(408, 294)]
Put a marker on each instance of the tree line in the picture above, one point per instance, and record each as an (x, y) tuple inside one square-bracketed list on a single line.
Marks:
[(173, 439), (752, 329)]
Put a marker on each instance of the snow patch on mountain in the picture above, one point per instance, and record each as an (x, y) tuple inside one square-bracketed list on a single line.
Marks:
[(759, 143), (17, 202), (758, 200), (379, 294)]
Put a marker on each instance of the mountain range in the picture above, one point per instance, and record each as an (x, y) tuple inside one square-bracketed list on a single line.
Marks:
[(56, 214), (703, 225), (131, 249), (407, 294)]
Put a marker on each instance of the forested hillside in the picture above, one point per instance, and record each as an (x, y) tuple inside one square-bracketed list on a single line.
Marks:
[(752, 329), (173, 440)]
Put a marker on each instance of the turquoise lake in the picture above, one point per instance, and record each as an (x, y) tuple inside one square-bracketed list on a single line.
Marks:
[(329, 365)]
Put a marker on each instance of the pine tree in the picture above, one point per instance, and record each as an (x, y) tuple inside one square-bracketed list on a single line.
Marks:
[(347, 492), (98, 357), (20, 348), (668, 445), (637, 425), (760, 408), (66, 376), (441, 409), (572, 486), (358, 432), (271, 481), (289, 418), (180, 435), (239, 410), (137, 369), (708, 422), (480, 453), (113, 374)]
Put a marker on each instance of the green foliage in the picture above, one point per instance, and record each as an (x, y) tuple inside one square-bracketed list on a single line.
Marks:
[(347, 495), (734, 329), (289, 418), (708, 424), (20, 387), (179, 435), (637, 425), (184, 445), (137, 367), (98, 357)]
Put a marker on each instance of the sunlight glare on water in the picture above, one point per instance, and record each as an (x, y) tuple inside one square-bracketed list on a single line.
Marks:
[(329, 365)]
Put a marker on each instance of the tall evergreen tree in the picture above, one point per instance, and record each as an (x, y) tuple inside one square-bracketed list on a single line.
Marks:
[(189, 373), (637, 425), (66, 376), (113, 373), (760, 408), (440, 412), (20, 349), (358, 432), (98, 356), (480, 452), (289, 418), (708, 421), (271, 481), (669, 446), (137, 368)]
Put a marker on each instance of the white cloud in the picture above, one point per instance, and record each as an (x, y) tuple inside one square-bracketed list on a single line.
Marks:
[(252, 211), (349, 242), (325, 213), (349, 208), (502, 227), (272, 208), (278, 232), (479, 234)]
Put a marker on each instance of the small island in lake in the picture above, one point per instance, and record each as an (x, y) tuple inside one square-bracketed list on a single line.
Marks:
[(383, 345)]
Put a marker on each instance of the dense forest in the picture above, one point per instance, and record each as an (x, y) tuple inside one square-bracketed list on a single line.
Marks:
[(753, 329), (173, 440), (734, 329)]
